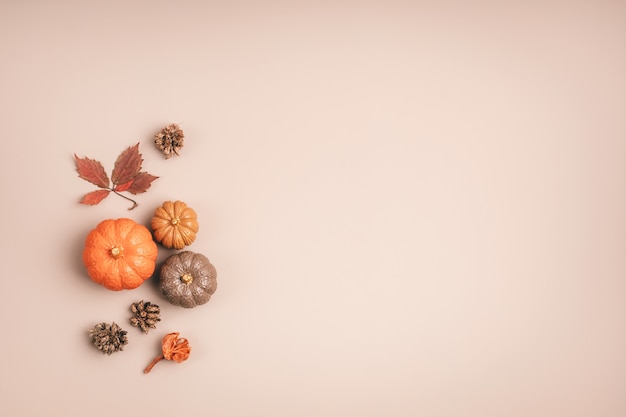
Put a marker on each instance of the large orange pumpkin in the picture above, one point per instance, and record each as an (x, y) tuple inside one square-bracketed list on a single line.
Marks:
[(120, 254)]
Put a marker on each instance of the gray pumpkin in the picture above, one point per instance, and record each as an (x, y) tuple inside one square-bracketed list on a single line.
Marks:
[(188, 279)]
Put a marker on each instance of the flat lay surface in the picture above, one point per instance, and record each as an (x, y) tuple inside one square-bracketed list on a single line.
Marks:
[(414, 208)]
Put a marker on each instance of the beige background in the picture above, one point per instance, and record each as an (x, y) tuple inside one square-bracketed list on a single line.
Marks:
[(415, 208)]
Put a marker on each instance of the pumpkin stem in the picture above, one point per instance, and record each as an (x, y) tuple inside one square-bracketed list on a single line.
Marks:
[(127, 198), (154, 362), (117, 252), (186, 278)]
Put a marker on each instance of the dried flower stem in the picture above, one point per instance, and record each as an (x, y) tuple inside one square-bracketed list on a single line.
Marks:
[(154, 362), (174, 349), (127, 198)]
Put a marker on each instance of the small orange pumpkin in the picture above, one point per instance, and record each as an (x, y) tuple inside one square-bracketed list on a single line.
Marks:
[(120, 254), (175, 224)]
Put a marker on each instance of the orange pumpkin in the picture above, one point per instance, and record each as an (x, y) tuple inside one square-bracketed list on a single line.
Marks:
[(175, 224), (120, 254)]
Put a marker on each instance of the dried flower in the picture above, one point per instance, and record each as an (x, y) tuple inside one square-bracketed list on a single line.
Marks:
[(108, 338), (169, 140), (146, 315), (174, 349)]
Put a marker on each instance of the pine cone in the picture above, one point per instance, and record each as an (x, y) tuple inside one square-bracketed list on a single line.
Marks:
[(108, 338), (146, 315), (169, 140)]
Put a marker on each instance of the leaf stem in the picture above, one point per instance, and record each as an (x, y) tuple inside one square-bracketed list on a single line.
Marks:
[(127, 198), (154, 362)]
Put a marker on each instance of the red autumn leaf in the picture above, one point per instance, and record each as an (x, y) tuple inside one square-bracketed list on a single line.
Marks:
[(94, 197), (126, 176), (92, 171), (141, 183), (123, 187), (127, 165)]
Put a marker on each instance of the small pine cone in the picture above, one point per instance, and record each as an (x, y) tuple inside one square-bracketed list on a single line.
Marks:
[(108, 338), (169, 140), (146, 315)]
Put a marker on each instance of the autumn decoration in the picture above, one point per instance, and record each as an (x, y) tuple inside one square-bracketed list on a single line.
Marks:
[(120, 254), (174, 224), (145, 315), (173, 349), (108, 338), (126, 176), (170, 140), (187, 279)]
